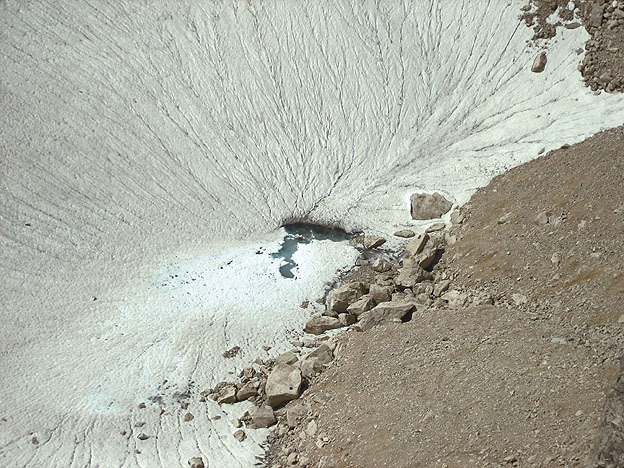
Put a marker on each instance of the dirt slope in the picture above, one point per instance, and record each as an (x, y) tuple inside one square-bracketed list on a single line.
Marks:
[(521, 382)]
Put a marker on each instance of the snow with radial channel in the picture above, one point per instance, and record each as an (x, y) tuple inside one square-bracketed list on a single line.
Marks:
[(145, 140)]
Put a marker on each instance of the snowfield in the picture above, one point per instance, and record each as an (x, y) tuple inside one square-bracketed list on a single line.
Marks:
[(150, 152)]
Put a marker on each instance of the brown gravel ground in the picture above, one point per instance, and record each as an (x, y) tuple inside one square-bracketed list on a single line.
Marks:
[(503, 385)]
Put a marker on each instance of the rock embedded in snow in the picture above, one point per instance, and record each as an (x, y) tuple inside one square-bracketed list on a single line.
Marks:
[(319, 324), (381, 265), (261, 417), (197, 462), (429, 206), (360, 306), (346, 295), (226, 395), (405, 233), (283, 384), (240, 435), (539, 64), (372, 242), (386, 312), (142, 436)]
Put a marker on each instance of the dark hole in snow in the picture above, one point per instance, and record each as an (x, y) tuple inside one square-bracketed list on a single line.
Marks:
[(304, 233)]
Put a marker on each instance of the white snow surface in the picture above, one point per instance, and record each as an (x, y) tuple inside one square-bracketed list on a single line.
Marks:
[(150, 148)]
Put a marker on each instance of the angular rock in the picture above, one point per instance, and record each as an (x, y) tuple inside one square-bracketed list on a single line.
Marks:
[(261, 417), (457, 217), (429, 206), (283, 384), (360, 306), (417, 245), (319, 324), (435, 227), (441, 287), (310, 367), (372, 242), (226, 395), (405, 233), (196, 462), (286, 358), (347, 319), (386, 312), (380, 293), (539, 64), (409, 276), (323, 353), (250, 389), (381, 266), (424, 259), (455, 299), (346, 295)]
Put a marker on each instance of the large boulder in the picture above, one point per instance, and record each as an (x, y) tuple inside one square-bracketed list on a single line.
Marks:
[(341, 298), (319, 324), (362, 305), (429, 206), (261, 417), (283, 384), (384, 313)]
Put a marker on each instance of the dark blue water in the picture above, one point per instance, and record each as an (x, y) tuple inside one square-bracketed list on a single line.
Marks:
[(304, 233)]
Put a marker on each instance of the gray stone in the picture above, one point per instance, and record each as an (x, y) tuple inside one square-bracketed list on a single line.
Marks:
[(346, 295), (386, 312), (381, 266), (455, 299), (295, 414), (424, 259), (319, 324), (429, 206), (261, 417), (380, 293), (196, 462), (360, 306), (310, 367), (240, 435), (283, 384), (544, 217), (405, 233), (539, 64)]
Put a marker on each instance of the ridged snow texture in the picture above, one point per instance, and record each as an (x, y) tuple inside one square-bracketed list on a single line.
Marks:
[(136, 131)]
